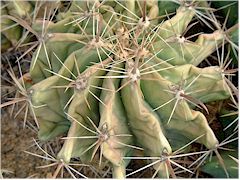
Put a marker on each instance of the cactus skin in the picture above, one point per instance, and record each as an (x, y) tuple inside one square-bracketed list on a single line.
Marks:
[(130, 90), (12, 33)]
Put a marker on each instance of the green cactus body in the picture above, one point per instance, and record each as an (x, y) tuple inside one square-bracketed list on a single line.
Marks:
[(113, 116), (83, 106), (9, 28), (173, 107), (109, 69)]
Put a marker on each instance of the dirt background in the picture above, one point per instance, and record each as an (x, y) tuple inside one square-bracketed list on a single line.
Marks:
[(14, 138), (14, 141)]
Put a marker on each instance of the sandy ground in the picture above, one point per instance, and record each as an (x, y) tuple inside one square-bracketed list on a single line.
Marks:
[(15, 140)]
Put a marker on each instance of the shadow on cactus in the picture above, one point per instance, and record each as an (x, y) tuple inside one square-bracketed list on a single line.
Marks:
[(124, 84)]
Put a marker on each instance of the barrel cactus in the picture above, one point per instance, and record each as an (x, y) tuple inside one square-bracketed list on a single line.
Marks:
[(121, 80)]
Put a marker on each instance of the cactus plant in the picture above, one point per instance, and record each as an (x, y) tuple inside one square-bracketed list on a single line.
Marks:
[(118, 79), (17, 16)]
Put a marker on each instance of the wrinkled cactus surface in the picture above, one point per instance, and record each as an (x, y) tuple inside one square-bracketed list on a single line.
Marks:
[(117, 78)]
